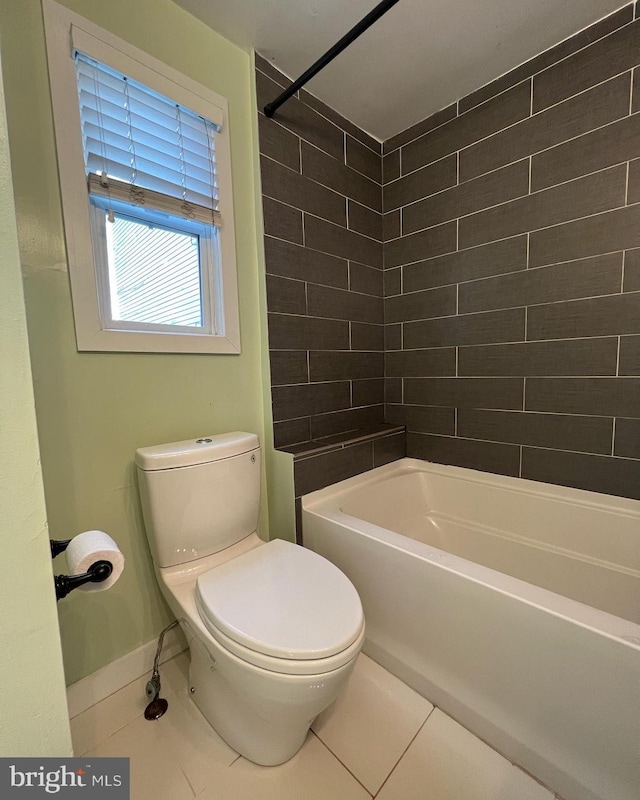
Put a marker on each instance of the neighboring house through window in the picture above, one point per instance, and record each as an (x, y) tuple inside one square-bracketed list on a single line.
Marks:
[(145, 172)]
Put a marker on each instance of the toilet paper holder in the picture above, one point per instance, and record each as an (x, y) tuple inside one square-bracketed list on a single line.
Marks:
[(64, 584)]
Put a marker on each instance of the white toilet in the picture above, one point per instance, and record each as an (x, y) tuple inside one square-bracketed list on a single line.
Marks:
[(273, 629)]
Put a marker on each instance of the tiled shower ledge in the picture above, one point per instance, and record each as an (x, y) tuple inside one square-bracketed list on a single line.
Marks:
[(341, 440)]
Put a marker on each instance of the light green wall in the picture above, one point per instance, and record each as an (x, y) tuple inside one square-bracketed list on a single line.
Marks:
[(94, 409), (33, 708)]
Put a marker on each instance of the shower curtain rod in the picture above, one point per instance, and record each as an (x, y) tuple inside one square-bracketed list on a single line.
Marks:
[(338, 47)]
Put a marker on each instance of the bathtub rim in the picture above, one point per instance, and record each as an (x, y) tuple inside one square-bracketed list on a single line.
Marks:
[(326, 503)]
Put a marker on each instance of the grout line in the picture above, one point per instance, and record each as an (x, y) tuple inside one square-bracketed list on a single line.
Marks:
[(520, 463), (524, 393), (404, 752), (304, 228), (613, 437), (624, 263), (530, 165), (631, 91), (526, 325), (626, 186), (531, 97), (618, 357)]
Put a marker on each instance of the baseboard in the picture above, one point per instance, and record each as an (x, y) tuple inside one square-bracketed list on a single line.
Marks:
[(95, 687)]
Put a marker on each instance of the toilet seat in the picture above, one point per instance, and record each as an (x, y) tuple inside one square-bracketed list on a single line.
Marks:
[(283, 608)]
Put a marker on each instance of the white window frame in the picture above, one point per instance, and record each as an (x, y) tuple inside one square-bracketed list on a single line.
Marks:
[(66, 32)]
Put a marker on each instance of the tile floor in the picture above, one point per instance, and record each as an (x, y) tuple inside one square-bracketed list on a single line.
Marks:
[(380, 739)]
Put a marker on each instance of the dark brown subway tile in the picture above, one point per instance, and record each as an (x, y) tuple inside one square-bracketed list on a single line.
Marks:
[(630, 360), (336, 241), (306, 333), (336, 175), (420, 305), (632, 271), (574, 279), (393, 390), (388, 449), (613, 397), (340, 121), (601, 316), (634, 182), (363, 220), (465, 392), (300, 119), (391, 225), (298, 191), (323, 301), (489, 190), (316, 472), (421, 183), (551, 56), (286, 296), (603, 233), (440, 361), (616, 476), (367, 392), (288, 366), (294, 261), (467, 329), (279, 143), (391, 166), (627, 439), (503, 459), (496, 258), (580, 114), (497, 113), (420, 128), (559, 431), (364, 279), (423, 419), (392, 337), (601, 148), (365, 336), (291, 432), (573, 357), (579, 198), (609, 56), (343, 366), (282, 221), (392, 281), (323, 425), (308, 399), (364, 160), (418, 246)]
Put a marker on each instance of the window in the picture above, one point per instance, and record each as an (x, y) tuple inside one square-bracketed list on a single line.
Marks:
[(144, 164)]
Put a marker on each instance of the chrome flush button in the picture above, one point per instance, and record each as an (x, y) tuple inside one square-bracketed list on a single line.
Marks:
[(203, 441)]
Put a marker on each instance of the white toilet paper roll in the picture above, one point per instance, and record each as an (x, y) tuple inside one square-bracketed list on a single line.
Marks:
[(87, 548)]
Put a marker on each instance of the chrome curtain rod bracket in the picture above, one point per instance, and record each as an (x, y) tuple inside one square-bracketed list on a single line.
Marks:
[(366, 22)]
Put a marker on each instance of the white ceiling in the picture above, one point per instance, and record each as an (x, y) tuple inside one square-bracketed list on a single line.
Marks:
[(418, 58)]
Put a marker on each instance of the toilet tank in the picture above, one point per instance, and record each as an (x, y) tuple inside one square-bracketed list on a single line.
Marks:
[(200, 495)]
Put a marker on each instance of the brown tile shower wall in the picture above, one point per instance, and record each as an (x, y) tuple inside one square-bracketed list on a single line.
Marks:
[(322, 200), (512, 270)]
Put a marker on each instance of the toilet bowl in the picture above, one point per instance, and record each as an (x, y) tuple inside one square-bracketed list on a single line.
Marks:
[(273, 629)]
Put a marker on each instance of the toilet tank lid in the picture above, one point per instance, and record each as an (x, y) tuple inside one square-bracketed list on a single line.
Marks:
[(191, 452)]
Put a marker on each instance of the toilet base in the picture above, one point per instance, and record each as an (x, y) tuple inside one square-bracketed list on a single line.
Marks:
[(262, 715)]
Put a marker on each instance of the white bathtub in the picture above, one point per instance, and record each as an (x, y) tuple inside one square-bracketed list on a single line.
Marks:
[(512, 605)]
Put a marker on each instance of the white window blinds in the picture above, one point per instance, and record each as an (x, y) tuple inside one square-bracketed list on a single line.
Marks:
[(143, 148)]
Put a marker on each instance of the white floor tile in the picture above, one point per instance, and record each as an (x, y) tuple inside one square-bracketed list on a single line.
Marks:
[(372, 723), (446, 762), (155, 768), (312, 774)]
